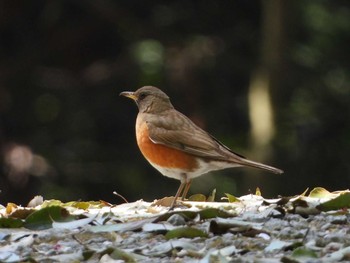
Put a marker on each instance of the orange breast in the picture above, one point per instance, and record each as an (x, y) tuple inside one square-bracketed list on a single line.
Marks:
[(163, 155)]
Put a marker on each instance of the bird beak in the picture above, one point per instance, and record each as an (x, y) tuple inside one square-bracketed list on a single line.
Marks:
[(129, 94)]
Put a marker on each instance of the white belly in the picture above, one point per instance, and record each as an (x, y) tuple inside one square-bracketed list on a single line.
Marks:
[(203, 168)]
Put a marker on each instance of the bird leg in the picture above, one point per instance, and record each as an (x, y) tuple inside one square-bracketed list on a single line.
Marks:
[(179, 191), (183, 188), (187, 187)]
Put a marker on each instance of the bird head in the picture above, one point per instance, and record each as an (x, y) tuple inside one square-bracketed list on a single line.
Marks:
[(149, 99)]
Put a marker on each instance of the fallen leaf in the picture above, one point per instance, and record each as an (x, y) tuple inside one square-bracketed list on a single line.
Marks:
[(122, 255), (214, 212), (232, 198), (197, 198), (211, 197), (21, 212), (187, 232), (129, 226), (166, 247), (339, 202), (221, 226), (10, 208), (10, 223), (73, 224), (84, 205), (43, 218), (157, 227), (52, 202), (303, 253), (319, 192), (166, 201), (257, 191)]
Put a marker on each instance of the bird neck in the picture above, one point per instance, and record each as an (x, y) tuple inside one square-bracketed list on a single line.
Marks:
[(158, 107)]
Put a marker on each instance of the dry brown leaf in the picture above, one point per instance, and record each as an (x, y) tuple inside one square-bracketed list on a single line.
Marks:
[(165, 201)]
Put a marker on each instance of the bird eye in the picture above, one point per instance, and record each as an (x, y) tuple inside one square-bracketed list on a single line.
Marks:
[(142, 96)]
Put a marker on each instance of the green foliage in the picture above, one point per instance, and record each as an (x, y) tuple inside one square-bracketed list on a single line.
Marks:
[(231, 198), (43, 218), (302, 253), (10, 222), (340, 202), (187, 232)]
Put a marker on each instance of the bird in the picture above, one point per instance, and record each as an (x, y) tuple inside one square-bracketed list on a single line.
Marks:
[(176, 146)]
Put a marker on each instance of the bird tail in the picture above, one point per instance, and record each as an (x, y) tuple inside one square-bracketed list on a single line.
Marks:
[(237, 159), (249, 163)]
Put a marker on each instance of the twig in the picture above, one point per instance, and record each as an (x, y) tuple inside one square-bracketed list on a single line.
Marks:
[(122, 197)]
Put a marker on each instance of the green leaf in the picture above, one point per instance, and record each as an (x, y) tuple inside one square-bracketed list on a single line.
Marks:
[(10, 223), (187, 232), (232, 198), (43, 218), (319, 192), (52, 202), (84, 205), (122, 255), (257, 191), (211, 197), (79, 205), (303, 253), (340, 202), (197, 198), (214, 212)]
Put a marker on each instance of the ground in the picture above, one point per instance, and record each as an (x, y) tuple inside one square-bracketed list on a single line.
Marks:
[(303, 228)]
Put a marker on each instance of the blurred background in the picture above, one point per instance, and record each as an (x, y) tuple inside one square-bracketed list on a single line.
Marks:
[(270, 79)]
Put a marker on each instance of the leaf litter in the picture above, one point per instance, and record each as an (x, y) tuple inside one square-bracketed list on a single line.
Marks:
[(310, 227)]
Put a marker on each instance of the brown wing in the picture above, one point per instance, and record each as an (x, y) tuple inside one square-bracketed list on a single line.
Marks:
[(179, 132)]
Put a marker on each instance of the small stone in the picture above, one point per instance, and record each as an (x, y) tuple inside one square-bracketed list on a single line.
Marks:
[(325, 226), (177, 220), (340, 220), (332, 247)]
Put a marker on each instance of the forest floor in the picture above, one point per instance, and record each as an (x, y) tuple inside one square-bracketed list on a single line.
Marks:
[(303, 228)]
